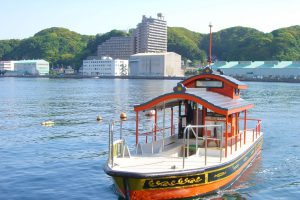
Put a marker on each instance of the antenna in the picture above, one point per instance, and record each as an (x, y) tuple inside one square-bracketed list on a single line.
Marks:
[(210, 44)]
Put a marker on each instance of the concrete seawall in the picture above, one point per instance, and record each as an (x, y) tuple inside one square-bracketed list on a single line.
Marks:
[(287, 80)]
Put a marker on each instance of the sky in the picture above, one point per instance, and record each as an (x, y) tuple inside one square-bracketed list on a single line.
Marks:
[(23, 18)]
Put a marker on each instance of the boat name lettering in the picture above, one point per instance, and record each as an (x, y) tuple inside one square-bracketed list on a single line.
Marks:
[(220, 174), (173, 182), (235, 166)]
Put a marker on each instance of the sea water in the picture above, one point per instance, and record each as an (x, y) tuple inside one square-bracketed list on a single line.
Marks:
[(65, 160)]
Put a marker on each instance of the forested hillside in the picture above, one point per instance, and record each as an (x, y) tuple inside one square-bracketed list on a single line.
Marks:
[(61, 46)]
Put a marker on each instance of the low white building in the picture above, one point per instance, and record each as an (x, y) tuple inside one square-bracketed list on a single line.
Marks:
[(31, 67), (7, 65), (155, 64), (105, 66), (260, 69)]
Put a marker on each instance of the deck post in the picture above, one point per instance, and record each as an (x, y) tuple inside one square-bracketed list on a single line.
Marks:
[(236, 129), (240, 139), (171, 121), (137, 128), (245, 125), (226, 135), (231, 134), (155, 124), (203, 119), (164, 116), (197, 122)]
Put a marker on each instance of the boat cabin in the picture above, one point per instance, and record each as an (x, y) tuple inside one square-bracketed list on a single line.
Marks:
[(209, 104)]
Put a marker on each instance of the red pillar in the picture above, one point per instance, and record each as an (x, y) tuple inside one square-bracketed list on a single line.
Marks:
[(231, 135), (204, 110), (155, 126), (137, 128), (245, 125), (172, 121), (236, 129), (226, 135)]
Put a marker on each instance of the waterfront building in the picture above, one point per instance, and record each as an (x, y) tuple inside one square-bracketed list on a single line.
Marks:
[(151, 35), (260, 69), (69, 70), (7, 65), (117, 48), (105, 66), (155, 64), (31, 67)]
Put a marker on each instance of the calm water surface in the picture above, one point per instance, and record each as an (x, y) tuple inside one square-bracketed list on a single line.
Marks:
[(65, 161)]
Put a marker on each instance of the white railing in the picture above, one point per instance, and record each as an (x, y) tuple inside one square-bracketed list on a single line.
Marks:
[(116, 148), (186, 140)]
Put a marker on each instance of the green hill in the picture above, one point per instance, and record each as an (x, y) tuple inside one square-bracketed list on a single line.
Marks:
[(61, 46)]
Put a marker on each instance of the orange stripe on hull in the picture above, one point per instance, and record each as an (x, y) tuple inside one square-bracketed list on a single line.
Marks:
[(185, 192)]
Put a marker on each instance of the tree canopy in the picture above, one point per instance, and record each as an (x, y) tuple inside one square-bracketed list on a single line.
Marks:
[(61, 46)]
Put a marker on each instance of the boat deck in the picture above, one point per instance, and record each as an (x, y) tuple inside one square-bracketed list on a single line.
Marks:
[(167, 161)]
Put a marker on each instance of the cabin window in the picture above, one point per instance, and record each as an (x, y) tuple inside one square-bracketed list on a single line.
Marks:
[(209, 84), (236, 92)]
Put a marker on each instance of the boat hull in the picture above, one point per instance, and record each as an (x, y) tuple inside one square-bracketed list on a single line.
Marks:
[(185, 184)]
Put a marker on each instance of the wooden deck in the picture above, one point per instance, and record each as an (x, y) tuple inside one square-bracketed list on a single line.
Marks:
[(170, 159)]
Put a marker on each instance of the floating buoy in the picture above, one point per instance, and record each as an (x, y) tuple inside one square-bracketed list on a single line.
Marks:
[(99, 118), (48, 123), (123, 116), (150, 113)]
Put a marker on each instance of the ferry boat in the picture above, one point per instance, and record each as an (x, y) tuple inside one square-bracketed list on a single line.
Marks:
[(200, 142)]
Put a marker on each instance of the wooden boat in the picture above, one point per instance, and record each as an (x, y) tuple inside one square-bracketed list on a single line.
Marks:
[(208, 150), (206, 147)]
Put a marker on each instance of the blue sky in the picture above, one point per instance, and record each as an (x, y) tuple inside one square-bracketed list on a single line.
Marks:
[(23, 18)]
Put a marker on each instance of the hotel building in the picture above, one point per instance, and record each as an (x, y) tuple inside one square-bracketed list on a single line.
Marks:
[(151, 35)]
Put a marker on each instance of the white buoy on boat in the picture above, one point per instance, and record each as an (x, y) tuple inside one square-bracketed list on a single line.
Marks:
[(150, 113)]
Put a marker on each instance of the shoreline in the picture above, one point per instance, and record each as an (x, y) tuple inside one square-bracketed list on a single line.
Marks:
[(281, 80)]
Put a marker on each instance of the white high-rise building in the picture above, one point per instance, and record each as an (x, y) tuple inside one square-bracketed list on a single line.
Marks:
[(151, 35), (105, 66)]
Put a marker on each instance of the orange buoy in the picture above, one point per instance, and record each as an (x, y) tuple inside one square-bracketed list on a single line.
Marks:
[(123, 116)]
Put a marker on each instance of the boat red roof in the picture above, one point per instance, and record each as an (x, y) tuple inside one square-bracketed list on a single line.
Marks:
[(217, 92)]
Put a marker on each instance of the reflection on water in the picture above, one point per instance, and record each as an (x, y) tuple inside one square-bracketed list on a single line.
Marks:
[(65, 161)]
